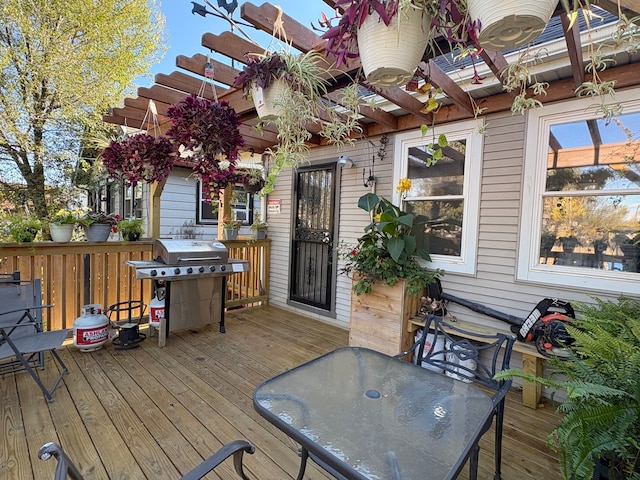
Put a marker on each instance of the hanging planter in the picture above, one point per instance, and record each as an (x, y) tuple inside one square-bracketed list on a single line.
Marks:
[(391, 53), (506, 24), (269, 101), (139, 157), (209, 130)]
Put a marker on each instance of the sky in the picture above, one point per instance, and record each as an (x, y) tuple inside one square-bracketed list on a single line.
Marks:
[(184, 29)]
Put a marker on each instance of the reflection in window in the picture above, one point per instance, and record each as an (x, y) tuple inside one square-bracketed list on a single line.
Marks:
[(437, 197), (591, 201)]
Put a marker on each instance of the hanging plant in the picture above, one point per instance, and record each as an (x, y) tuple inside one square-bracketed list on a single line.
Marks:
[(140, 157), (209, 131)]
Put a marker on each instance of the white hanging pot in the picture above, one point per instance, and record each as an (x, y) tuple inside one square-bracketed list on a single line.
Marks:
[(506, 24), (269, 101), (390, 54)]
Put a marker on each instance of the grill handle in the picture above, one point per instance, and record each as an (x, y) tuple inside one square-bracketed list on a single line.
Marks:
[(199, 259)]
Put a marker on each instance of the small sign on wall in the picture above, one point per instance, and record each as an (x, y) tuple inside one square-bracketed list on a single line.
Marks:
[(273, 207)]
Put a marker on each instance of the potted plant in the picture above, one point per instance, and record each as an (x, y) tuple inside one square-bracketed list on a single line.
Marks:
[(259, 229), (139, 157), (24, 229), (304, 85), (99, 225), (600, 377), (391, 37), (387, 251), (61, 225), (130, 229), (209, 135), (263, 79), (251, 179), (231, 228)]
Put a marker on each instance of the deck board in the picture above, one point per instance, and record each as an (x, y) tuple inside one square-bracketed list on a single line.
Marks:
[(155, 412)]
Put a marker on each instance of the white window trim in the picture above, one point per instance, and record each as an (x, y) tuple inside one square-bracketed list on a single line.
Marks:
[(466, 263), (537, 140)]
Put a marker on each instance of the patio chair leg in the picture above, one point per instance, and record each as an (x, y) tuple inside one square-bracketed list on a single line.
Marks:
[(48, 393), (498, 440)]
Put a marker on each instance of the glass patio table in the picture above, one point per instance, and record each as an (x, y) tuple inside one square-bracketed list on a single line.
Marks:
[(361, 414)]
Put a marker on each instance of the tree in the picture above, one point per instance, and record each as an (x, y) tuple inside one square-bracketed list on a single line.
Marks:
[(62, 64)]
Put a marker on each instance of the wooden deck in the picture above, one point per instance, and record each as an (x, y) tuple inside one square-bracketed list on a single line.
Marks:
[(157, 412)]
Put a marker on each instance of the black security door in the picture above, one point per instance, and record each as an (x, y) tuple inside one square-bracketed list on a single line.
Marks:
[(311, 262)]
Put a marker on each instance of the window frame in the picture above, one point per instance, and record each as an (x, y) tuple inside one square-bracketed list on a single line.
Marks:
[(529, 269), (466, 263)]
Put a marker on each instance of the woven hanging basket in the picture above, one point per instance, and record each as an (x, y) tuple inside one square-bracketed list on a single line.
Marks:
[(389, 57), (507, 24)]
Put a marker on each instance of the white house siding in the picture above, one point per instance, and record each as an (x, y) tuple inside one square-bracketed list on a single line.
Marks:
[(178, 205)]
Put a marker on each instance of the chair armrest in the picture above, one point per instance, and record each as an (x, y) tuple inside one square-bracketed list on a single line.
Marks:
[(407, 352), (26, 309), (235, 448)]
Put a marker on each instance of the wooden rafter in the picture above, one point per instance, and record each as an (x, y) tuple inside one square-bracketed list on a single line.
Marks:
[(407, 111), (574, 49)]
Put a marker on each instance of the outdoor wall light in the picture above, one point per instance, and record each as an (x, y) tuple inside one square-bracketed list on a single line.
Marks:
[(345, 161)]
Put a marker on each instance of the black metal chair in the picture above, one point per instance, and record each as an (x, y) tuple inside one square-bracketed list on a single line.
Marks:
[(457, 356), (22, 339), (66, 468)]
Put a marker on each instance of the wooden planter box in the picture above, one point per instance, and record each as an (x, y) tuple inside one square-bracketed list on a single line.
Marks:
[(379, 320)]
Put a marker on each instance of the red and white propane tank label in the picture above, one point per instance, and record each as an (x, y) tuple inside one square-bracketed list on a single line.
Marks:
[(156, 315), (91, 336)]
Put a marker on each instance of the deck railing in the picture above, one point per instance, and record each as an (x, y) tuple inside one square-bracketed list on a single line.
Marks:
[(79, 273)]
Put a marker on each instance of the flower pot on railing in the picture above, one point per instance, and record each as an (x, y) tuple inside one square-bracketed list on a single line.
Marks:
[(61, 233), (506, 24), (230, 234), (98, 232), (390, 54)]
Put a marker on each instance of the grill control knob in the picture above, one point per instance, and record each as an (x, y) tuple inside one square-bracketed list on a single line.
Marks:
[(153, 273), (223, 268), (212, 268), (162, 272), (189, 270), (201, 269), (176, 271)]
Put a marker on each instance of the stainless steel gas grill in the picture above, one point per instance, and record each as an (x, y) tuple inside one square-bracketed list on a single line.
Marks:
[(193, 274)]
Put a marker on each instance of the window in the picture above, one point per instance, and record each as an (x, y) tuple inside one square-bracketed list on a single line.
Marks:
[(445, 195), (581, 222), (244, 206), (137, 202)]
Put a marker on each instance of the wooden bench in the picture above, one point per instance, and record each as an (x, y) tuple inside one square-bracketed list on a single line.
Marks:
[(532, 360)]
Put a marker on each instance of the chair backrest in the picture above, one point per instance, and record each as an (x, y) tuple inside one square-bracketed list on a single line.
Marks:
[(447, 347), (16, 299)]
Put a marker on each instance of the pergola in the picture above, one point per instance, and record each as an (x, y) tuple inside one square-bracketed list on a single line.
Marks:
[(401, 110), (405, 111)]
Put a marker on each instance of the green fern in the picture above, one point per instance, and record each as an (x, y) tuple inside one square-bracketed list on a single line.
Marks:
[(601, 378)]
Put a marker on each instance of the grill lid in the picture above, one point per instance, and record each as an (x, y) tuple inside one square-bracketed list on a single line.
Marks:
[(181, 252)]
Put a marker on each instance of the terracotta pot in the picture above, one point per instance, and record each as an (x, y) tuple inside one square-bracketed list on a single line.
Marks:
[(98, 232), (506, 24), (390, 55), (268, 100), (61, 233)]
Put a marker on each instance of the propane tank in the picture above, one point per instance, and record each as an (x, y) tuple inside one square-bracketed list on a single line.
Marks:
[(91, 329), (156, 308)]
